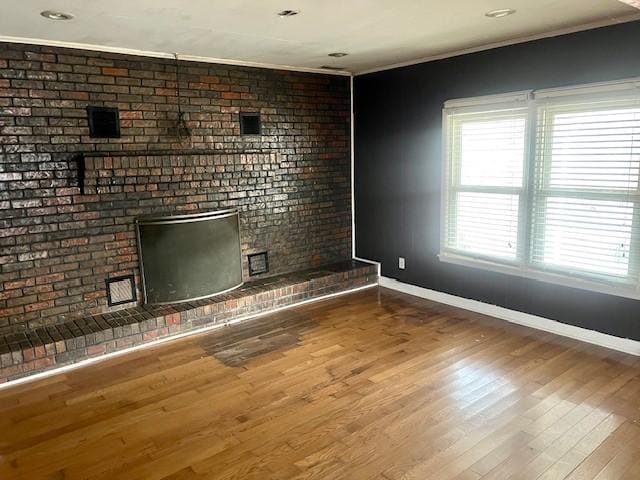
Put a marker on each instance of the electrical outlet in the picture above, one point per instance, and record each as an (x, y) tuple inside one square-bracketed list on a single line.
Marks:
[(401, 263)]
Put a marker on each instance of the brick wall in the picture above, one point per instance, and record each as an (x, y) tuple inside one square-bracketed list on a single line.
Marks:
[(57, 247)]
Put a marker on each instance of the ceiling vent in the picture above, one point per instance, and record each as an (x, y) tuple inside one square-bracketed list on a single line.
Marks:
[(335, 69), (288, 13), (54, 15)]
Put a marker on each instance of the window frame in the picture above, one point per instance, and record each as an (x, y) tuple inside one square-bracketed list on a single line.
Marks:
[(453, 185), (544, 190), (524, 265)]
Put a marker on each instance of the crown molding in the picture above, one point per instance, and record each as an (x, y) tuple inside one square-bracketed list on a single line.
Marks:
[(505, 43), (166, 55)]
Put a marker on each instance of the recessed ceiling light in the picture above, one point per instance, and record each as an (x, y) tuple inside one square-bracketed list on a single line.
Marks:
[(338, 54), (53, 15), (288, 13), (500, 12)]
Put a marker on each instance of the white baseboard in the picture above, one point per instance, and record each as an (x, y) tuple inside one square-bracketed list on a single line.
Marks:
[(540, 323)]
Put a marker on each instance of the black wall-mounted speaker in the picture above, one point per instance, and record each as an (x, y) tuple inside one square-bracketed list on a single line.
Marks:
[(104, 122), (250, 124)]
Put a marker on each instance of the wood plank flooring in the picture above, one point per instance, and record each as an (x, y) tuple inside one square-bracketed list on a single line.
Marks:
[(373, 385)]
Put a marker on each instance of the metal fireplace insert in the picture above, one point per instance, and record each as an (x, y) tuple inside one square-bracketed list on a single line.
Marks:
[(189, 257)]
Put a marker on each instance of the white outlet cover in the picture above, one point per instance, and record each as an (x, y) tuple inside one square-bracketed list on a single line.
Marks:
[(401, 263)]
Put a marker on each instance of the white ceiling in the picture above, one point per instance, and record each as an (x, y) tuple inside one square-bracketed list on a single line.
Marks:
[(375, 33)]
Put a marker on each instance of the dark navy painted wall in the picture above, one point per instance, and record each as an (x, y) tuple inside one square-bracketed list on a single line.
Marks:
[(398, 127)]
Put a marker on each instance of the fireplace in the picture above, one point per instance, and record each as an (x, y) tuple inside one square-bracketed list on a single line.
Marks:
[(189, 257)]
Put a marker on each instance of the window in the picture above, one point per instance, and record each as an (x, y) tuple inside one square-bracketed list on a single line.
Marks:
[(486, 188), (545, 185)]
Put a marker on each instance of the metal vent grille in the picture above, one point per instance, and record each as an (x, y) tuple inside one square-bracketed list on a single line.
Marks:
[(121, 290), (258, 263), (288, 13)]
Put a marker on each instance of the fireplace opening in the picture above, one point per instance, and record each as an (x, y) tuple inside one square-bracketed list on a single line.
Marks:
[(189, 257)]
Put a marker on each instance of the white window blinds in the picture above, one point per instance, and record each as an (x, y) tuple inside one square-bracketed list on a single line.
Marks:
[(486, 172), (547, 188), (587, 168)]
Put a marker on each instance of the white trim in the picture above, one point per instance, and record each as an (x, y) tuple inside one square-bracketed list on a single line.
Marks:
[(589, 88), (352, 140), (625, 345), (172, 56), (531, 273), (489, 46), (370, 262), (107, 356), (524, 98), (511, 100)]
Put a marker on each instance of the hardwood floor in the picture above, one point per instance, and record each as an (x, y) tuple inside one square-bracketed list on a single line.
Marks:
[(373, 385)]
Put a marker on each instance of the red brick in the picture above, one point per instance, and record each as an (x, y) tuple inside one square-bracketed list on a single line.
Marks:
[(27, 282), (94, 295), (115, 72), (96, 349), (8, 312), (130, 114), (11, 371), (28, 354), (231, 95), (51, 278), (38, 306), (74, 242), (166, 92), (41, 363), (7, 294), (149, 336)]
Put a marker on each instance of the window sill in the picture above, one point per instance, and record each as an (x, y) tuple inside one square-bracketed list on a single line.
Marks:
[(620, 290)]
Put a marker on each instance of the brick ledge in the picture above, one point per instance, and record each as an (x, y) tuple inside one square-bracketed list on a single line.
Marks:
[(52, 347)]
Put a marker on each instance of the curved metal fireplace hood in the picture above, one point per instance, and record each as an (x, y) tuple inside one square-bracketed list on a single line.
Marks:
[(189, 257)]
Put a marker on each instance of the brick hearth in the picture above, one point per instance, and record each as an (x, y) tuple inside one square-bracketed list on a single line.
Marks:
[(51, 347)]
